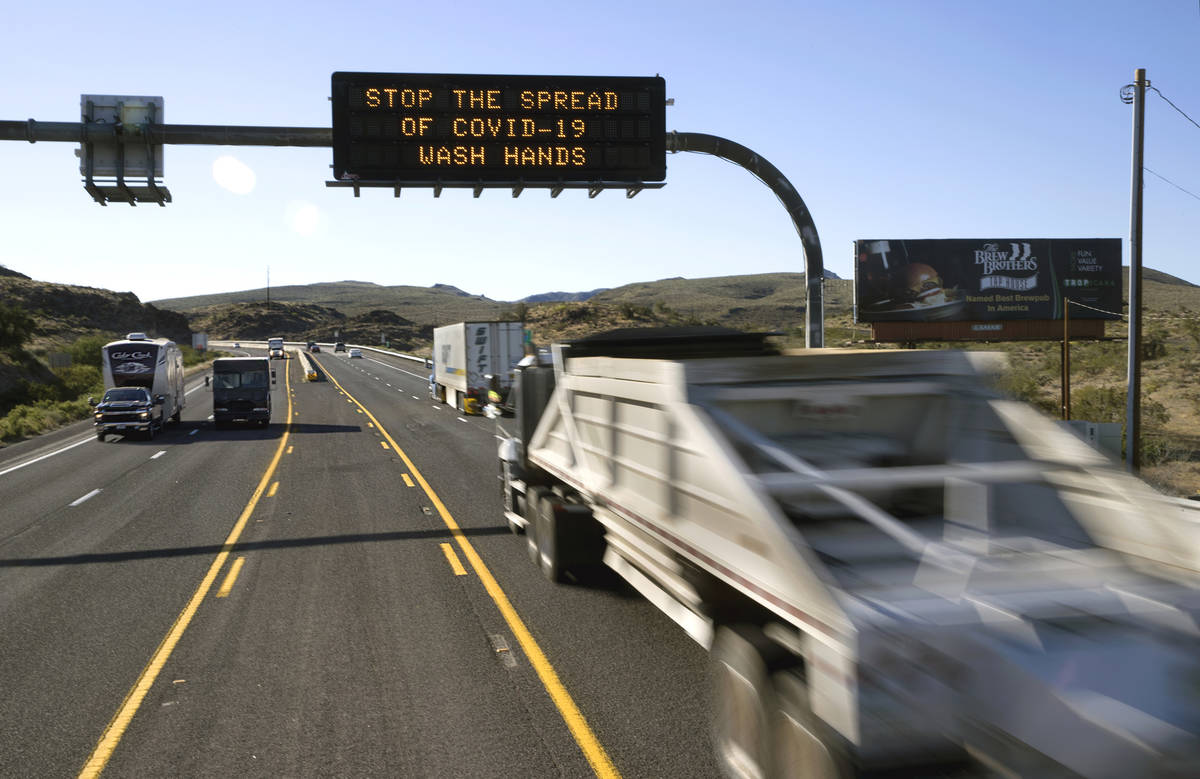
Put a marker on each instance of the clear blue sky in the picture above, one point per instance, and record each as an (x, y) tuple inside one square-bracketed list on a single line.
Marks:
[(919, 119)]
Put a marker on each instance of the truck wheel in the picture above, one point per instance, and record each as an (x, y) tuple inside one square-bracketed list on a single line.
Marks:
[(533, 504), (800, 751), (177, 416), (741, 659), (550, 559), (150, 432), (100, 434)]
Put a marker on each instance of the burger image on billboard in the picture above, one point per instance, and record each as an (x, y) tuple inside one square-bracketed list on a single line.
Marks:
[(922, 284), (915, 292)]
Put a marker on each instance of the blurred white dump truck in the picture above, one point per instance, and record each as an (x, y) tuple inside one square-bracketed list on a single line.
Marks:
[(894, 569)]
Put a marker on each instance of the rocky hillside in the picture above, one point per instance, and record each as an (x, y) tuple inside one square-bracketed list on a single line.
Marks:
[(60, 315), (63, 313), (307, 322), (439, 304)]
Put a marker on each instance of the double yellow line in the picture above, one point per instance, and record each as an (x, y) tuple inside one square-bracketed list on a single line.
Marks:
[(133, 699), (592, 750), (574, 719)]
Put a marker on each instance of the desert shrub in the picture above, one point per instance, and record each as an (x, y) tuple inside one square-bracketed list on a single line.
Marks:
[(1026, 380), (78, 380), (192, 357), (86, 350), (15, 327), (1098, 357), (1154, 345), (1098, 404), (1161, 448), (32, 419), (1191, 328), (1107, 404)]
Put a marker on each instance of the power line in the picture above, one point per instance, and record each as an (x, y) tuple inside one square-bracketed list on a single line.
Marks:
[(1177, 108), (1172, 183)]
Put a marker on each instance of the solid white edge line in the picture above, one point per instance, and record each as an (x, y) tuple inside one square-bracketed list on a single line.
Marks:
[(90, 495), (401, 370), (159, 454), (84, 440)]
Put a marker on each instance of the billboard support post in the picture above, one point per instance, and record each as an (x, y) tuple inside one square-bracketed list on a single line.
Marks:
[(1133, 397), (1066, 360)]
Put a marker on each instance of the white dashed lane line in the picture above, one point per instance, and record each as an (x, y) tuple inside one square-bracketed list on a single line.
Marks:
[(159, 454), (194, 431), (89, 496)]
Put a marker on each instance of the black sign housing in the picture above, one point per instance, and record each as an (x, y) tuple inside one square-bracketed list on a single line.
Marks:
[(421, 128)]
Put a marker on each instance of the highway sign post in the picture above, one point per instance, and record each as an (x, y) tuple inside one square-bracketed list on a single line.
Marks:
[(450, 131)]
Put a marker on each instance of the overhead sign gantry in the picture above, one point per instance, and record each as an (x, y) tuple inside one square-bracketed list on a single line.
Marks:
[(482, 131), (435, 131)]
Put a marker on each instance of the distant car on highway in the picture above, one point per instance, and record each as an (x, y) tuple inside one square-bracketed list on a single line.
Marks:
[(355, 353), (339, 347), (314, 348)]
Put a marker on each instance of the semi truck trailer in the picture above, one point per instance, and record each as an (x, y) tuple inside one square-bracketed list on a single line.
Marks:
[(472, 360), (893, 568)]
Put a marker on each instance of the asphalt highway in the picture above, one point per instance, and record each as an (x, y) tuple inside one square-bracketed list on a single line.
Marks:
[(335, 595)]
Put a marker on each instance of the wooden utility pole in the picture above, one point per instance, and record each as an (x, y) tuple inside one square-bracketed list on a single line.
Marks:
[(1133, 398)]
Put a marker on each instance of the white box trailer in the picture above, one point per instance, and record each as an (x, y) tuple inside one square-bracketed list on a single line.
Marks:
[(892, 566), (465, 354), (154, 364)]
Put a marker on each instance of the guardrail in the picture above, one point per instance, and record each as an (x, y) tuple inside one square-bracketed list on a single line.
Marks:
[(302, 344)]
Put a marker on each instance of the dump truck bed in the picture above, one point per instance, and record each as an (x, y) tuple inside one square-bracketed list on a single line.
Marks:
[(856, 495)]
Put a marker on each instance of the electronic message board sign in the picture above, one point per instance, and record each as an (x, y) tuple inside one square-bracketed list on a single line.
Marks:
[(986, 279), (437, 128)]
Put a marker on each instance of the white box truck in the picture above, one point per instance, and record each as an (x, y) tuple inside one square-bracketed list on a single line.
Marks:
[(275, 349), (143, 378), (892, 567), (472, 358)]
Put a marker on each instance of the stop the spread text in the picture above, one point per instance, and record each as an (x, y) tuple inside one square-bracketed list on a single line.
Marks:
[(546, 128)]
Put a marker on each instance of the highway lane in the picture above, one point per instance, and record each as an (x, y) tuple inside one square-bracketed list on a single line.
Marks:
[(613, 649), (87, 590), (346, 643)]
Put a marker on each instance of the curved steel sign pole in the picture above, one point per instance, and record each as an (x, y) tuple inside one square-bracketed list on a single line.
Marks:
[(814, 264)]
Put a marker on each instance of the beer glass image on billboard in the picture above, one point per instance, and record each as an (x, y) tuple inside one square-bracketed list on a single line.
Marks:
[(892, 285)]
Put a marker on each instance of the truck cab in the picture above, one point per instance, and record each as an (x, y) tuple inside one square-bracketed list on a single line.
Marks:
[(126, 409)]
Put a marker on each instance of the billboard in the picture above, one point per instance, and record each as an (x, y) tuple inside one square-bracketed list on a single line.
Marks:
[(979, 280)]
